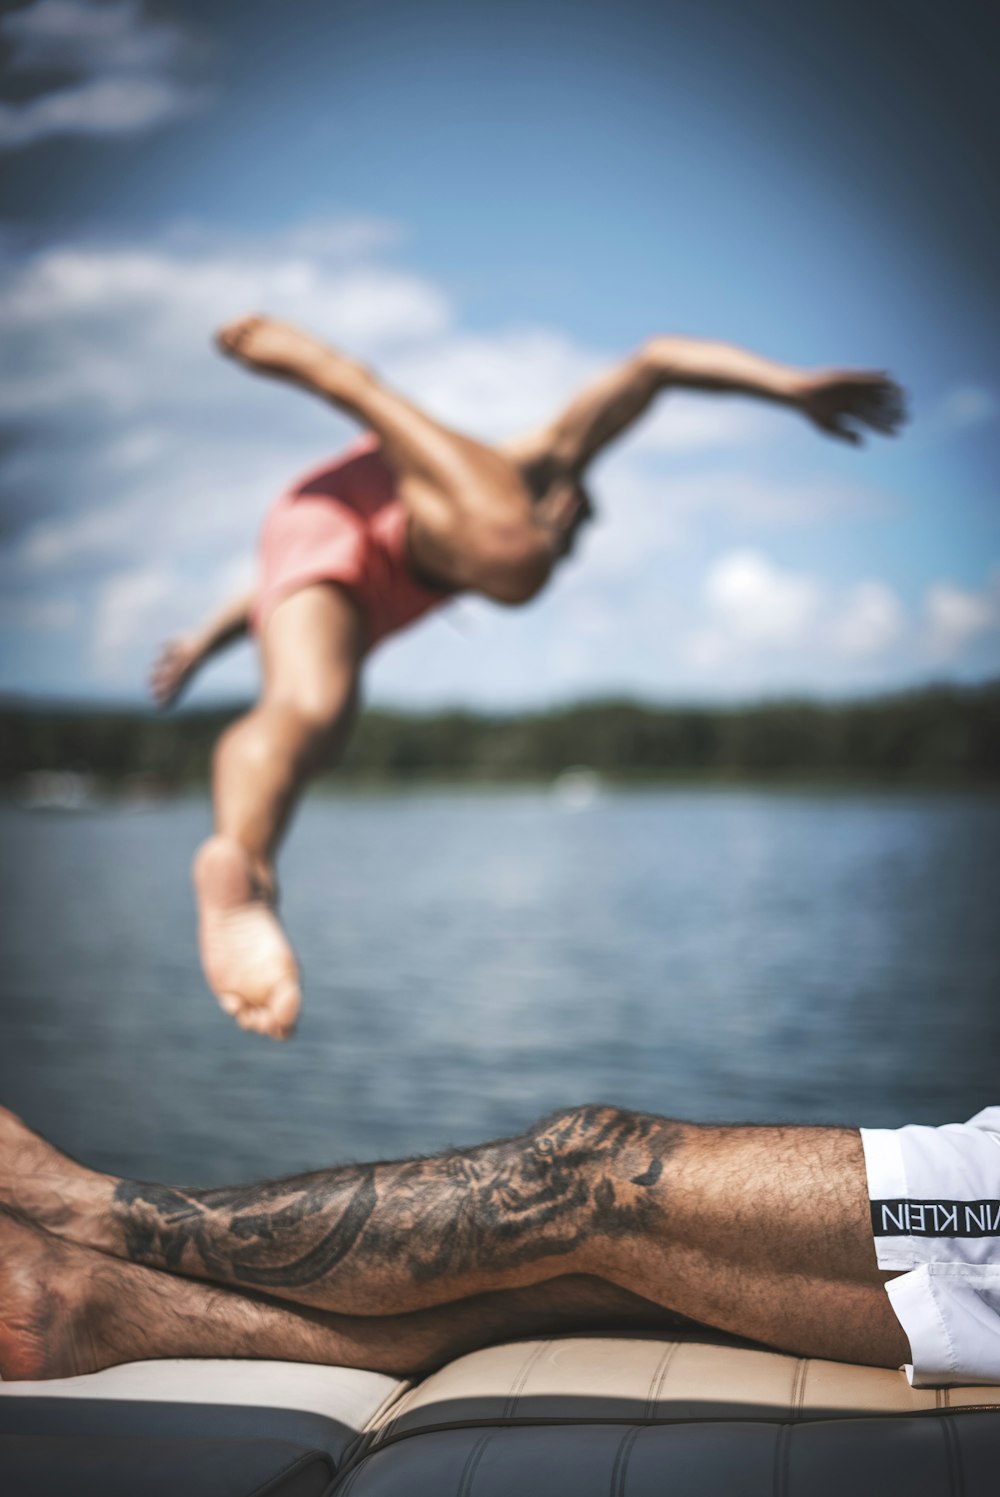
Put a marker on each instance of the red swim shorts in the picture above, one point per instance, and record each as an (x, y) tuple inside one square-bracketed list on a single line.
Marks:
[(343, 522)]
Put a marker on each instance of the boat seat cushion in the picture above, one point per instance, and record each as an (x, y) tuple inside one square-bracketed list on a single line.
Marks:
[(695, 1414), (636, 1379), (116, 1466), (186, 1429), (951, 1455)]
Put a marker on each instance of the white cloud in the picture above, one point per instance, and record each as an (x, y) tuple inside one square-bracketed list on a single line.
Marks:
[(127, 602), (496, 384), (125, 66), (970, 405), (756, 613), (964, 407), (107, 106), (53, 543), (753, 605), (138, 608), (956, 616), (183, 295), (689, 423), (870, 621)]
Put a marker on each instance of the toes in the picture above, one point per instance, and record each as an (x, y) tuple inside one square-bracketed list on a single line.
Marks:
[(277, 1022), (284, 1005)]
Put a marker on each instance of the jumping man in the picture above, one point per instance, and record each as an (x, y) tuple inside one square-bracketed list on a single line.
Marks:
[(366, 543)]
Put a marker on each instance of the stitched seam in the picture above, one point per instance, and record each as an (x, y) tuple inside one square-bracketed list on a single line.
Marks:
[(567, 1421), (619, 1472), (517, 1386), (953, 1455), (397, 1395), (946, 1329), (781, 1453), (299, 1462), (352, 1477), (373, 1429), (472, 1465), (798, 1388), (658, 1379)]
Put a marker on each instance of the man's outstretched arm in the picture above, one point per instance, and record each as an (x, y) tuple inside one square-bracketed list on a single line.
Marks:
[(180, 658), (841, 402)]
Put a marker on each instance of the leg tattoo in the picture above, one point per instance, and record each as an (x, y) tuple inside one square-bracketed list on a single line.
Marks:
[(381, 1238)]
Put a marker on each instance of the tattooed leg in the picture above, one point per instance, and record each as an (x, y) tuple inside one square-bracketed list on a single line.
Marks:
[(385, 1238), (65, 1310), (764, 1232)]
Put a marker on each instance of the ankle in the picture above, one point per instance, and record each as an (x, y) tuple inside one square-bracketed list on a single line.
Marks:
[(86, 1217), (224, 864)]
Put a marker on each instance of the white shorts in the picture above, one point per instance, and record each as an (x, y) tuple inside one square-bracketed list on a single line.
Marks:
[(935, 1199)]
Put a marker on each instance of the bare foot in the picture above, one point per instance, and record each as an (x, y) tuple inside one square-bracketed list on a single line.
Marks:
[(48, 1323), (39, 1182), (245, 954), (272, 347)]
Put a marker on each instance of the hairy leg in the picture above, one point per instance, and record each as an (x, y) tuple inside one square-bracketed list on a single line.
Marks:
[(66, 1310), (473, 522), (764, 1232), (312, 648)]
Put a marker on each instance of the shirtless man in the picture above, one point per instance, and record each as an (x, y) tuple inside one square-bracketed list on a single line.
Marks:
[(368, 542), (878, 1246)]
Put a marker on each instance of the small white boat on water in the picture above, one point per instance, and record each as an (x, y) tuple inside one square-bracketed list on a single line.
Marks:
[(577, 788)]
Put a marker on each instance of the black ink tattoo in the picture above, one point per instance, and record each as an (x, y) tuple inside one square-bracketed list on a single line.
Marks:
[(345, 1237)]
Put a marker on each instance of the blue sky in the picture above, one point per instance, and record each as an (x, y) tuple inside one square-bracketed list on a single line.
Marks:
[(489, 204)]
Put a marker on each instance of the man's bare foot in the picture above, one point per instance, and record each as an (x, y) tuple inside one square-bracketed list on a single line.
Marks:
[(40, 1182), (272, 347), (245, 954), (49, 1316)]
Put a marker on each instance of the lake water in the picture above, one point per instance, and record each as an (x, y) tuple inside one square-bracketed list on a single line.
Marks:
[(475, 960)]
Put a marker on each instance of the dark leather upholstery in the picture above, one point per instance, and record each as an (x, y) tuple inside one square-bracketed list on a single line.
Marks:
[(689, 1415), (955, 1455), (116, 1466)]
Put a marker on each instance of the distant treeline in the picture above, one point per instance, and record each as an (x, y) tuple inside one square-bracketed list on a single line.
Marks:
[(939, 734)]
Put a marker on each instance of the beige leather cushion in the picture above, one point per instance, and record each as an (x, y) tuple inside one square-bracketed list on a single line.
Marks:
[(694, 1376), (354, 1399)]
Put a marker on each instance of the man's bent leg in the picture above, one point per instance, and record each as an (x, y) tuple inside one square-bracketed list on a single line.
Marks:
[(764, 1232), (66, 1310), (311, 650), (473, 524)]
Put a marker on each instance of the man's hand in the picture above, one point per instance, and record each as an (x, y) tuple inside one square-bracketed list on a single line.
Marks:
[(842, 402), (173, 668)]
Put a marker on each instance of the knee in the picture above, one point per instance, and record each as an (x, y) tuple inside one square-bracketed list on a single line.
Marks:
[(322, 721), (578, 1135), (614, 1144), (319, 713), (307, 725)]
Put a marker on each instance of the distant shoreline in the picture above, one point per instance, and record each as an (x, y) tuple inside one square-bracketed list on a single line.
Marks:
[(943, 736)]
